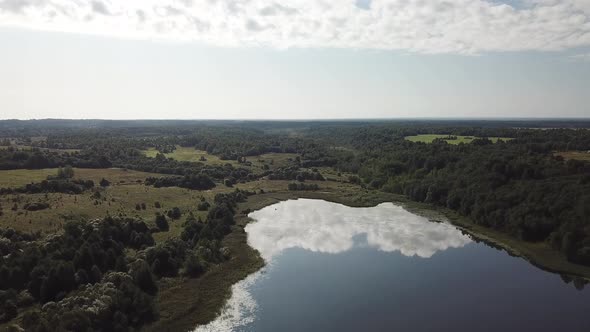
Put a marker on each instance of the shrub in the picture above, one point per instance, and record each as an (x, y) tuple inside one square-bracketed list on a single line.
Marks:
[(193, 266), (203, 206), (161, 222), (175, 213)]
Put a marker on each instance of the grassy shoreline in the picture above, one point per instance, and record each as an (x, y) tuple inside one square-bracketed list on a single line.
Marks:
[(189, 303)]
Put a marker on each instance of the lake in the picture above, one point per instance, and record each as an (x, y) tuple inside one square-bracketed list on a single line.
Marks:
[(336, 268)]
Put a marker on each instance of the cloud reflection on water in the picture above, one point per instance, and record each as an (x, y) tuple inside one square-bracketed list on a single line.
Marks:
[(327, 227)]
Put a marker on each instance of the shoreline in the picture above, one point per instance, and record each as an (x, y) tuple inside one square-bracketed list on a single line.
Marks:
[(186, 304)]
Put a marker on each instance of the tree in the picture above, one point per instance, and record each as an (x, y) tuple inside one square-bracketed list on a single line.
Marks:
[(9, 310), (143, 277), (175, 213), (161, 222), (68, 172), (95, 274), (193, 266), (203, 206), (65, 173)]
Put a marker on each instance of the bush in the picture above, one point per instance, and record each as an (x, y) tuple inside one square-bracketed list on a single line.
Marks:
[(175, 213), (302, 186), (36, 206), (193, 266), (161, 222), (203, 206)]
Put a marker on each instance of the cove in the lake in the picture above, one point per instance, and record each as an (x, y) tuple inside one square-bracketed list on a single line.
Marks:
[(335, 268)]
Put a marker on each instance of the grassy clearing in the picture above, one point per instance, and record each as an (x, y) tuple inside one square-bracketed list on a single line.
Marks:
[(116, 200), (273, 160), (190, 154), (577, 155), (119, 199), (460, 139), (21, 177)]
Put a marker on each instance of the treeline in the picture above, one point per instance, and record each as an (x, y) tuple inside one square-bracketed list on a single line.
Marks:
[(13, 158), (195, 182), (66, 186), (518, 187), (230, 143), (298, 186), (294, 173)]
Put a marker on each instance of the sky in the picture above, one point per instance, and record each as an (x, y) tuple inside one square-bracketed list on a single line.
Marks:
[(294, 59)]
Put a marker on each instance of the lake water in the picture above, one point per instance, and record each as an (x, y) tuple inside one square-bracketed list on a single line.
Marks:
[(335, 268)]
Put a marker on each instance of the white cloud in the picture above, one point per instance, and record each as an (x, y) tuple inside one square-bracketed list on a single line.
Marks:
[(423, 26)]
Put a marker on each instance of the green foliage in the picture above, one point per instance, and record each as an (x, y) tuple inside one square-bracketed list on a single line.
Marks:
[(65, 173), (104, 182), (193, 267), (302, 186), (161, 222), (203, 206), (196, 182), (175, 213)]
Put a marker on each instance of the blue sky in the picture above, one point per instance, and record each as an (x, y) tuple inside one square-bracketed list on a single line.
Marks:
[(294, 59)]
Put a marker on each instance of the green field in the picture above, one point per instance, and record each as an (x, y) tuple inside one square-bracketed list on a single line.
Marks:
[(273, 160), (118, 199), (428, 138), (190, 154), (21, 177)]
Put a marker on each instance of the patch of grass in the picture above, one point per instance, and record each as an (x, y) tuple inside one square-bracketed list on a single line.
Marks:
[(120, 198), (21, 177), (577, 155), (190, 154), (460, 139), (65, 207), (273, 160)]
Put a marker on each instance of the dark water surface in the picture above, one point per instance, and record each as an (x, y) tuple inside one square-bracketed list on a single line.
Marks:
[(336, 268)]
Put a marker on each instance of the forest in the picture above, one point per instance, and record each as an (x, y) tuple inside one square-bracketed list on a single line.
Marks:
[(524, 186)]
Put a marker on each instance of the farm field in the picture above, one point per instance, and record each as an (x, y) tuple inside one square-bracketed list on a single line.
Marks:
[(428, 138)]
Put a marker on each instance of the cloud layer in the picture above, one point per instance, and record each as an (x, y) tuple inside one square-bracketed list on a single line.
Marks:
[(422, 26)]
